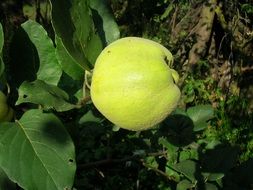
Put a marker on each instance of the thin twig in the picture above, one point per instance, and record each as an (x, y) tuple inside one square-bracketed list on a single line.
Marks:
[(117, 161), (160, 172)]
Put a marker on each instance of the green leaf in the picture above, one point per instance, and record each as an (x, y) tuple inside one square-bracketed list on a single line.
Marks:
[(24, 60), (248, 8), (1, 38), (172, 173), (104, 21), (93, 48), (1, 49), (200, 115), (184, 184), (172, 149), (212, 144), (188, 154), (1, 66), (68, 63), (187, 168), (213, 176), (85, 36), (5, 182), (209, 186), (65, 37), (89, 117), (151, 161), (115, 128), (179, 111), (76, 37), (73, 87), (37, 152), (49, 69), (46, 95), (167, 11)]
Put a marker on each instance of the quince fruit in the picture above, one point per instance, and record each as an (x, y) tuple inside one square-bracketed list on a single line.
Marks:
[(133, 84)]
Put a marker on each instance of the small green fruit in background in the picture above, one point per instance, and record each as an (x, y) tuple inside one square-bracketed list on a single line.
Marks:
[(6, 112), (133, 85)]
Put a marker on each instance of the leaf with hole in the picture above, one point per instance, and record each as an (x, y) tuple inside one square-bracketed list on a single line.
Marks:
[(46, 95), (37, 152)]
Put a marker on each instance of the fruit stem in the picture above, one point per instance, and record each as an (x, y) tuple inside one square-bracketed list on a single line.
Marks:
[(83, 101), (86, 75)]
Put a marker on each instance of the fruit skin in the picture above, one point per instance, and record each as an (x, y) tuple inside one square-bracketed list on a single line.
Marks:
[(133, 85), (6, 112)]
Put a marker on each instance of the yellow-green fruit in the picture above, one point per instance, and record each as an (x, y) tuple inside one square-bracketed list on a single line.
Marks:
[(133, 85), (6, 112)]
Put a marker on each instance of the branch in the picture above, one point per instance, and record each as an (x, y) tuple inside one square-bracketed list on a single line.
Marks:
[(118, 161), (246, 69), (160, 172)]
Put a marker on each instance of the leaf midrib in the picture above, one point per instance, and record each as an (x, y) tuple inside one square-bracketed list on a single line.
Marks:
[(36, 153)]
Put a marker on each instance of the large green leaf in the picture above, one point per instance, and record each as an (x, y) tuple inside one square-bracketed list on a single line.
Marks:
[(78, 45), (46, 95), (64, 31), (93, 48), (5, 182), (49, 68), (37, 152), (104, 20), (85, 36), (69, 64), (200, 115)]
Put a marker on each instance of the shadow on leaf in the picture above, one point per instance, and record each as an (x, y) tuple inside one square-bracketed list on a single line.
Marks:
[(179, 129)]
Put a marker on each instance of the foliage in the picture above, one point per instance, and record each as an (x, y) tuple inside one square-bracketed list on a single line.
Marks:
[(59, 140)]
